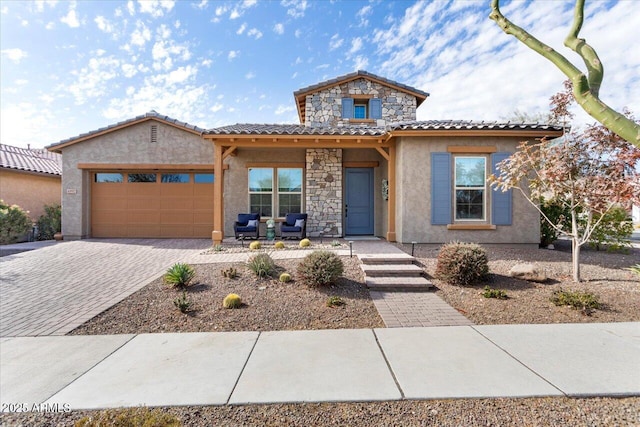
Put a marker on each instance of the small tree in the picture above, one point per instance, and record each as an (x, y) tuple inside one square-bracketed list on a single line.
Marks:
[(589, 173)]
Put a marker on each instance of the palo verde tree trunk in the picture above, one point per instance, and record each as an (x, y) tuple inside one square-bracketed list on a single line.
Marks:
[(586, 88)]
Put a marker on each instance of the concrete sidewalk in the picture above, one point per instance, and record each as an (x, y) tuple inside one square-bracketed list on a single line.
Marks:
[(86, 372)]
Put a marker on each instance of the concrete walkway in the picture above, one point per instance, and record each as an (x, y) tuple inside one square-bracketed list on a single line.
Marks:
[(87, 372)]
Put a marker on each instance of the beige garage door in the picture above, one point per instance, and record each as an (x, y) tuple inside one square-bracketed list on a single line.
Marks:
[(157, 204)]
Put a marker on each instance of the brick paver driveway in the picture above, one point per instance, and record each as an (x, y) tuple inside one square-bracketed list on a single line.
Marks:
[(52, 290)]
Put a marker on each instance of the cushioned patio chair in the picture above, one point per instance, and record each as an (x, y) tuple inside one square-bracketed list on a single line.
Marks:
[(294, 225), (247, 225)]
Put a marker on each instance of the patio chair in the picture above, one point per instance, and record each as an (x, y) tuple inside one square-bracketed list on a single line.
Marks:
[(294, 225), (247, 225)]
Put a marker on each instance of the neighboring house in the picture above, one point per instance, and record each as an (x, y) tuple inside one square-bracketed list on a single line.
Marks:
[(358, 163), (30, 178)]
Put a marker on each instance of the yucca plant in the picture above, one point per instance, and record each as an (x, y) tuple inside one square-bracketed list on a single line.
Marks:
[(635, 269), (179, 275)]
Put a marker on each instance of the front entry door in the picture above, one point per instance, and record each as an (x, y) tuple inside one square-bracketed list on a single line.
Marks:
[(358, 206)]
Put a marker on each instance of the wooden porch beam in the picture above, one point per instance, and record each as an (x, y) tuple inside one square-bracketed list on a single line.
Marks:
[(383, 153), (217, 235), (229, 152), (391, 206)]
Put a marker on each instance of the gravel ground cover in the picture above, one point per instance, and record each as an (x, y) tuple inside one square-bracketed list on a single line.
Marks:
[(271, 305), (603, 274), (462, 412)]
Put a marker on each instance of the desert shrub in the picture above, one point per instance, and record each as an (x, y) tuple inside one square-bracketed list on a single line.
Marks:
[(320, 268), (285, 277), (230, 273), (614, 230), (50, 222), (255, 245), (279, 245), (584, 301), (558, 214), (335, 302), (130, 417), (336, 243), (232, 301), (14, 223), (494, 293), (183, 303), (635, 269), (261, 264), (218, 248), (304, 243), (462, 264), (179, 275)]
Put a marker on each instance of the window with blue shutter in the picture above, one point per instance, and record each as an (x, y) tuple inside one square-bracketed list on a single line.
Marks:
[(441, 188), (501, 202), (347, 108)]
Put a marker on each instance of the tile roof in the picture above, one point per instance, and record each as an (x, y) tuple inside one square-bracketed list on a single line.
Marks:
[(31, 160), (359, 73), (288, 129), (150, 114)]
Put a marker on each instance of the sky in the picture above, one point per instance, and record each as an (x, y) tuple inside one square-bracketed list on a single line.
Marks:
[(71, 67)]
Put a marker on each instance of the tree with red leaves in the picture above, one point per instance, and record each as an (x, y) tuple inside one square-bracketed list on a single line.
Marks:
[(589, 172)]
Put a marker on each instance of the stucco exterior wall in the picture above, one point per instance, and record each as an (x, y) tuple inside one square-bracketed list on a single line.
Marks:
[(130, 145), (324, 108), (29, 191), (413, 209)]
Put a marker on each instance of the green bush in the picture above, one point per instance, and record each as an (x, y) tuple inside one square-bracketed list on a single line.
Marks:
[(131, 417), (14, 223), (179, 275), (494, 293), (462, 264), (614, 230), (50, 222), (335, 302), (558, 214), (182, 303), (232, 301), (320, 268), (262, 265), (584, 301), (230, 273)]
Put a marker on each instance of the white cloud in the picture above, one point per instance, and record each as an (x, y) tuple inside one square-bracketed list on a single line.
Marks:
[(232, 54), (235, 14), (15, 55), (155, 8), (356, 45), (165, 52), (335, 42), (71, 18), (4, 10), (141, 35), (202, 5), (50, 25), (129, 70), (295, 8), (284, 109), (21, 82), (206, 63), (360, 63), (131, 8), (294, 75), (93, 81), (254, 32), (242, 28), (104, 24), (40, 4), (250, 75), (221, 10), (278, 28), (297, 33), (216, 107), (363, 15)]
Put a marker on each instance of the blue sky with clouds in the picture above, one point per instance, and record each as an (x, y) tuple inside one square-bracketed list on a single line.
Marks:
[(71, 67)]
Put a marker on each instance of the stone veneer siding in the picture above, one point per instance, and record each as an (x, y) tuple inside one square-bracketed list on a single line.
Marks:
[(324, 108), (324, 192)]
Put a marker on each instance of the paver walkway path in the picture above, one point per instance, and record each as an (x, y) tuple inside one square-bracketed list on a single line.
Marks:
[(52, 290)]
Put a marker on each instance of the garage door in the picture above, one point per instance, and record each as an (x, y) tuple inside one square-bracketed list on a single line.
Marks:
[(159, 204)]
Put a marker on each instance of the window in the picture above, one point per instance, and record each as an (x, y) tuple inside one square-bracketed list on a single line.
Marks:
[(203, 178), (142, 177), (108, 177), (470, 191), (285, 197), (175, 178), (361, 109)]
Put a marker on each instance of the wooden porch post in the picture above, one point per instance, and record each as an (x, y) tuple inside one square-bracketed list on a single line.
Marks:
[(391, 214), (218, 200)]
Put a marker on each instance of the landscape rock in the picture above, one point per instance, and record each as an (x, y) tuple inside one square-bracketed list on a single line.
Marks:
[(528, 271)]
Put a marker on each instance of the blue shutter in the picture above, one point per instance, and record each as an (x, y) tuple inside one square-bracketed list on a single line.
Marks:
[(440, 188), (501, 202), (375, 108), (347, 108)]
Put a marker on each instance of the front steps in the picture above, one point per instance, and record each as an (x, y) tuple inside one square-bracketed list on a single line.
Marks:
[(393, 272)]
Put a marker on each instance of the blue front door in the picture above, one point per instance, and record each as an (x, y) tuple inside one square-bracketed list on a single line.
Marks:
[(358, 206)]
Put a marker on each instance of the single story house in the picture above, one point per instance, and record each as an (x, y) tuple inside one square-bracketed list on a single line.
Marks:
[(30, 178), (359, 163)]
